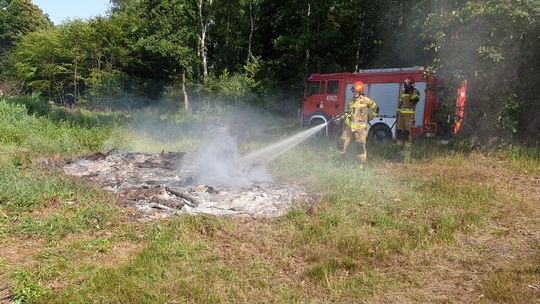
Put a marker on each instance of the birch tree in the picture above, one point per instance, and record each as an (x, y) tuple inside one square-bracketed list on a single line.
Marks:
[(204, 21)]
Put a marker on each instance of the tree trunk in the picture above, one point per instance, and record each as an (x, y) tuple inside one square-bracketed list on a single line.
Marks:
[(306, 62), (184, 92), (202, 39), (75, 83), (358, 58), (53, 86), (251, 29)]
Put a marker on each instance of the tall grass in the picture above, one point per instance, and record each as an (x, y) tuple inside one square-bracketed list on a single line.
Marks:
[(21, 133), (524, 158)]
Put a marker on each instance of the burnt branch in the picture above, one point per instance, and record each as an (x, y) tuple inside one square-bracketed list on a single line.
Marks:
[(193, 201)]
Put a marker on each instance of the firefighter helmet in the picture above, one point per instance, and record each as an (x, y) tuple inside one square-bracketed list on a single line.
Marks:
[(408, 83), (358, 87)]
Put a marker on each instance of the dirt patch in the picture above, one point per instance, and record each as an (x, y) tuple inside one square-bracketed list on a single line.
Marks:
[(19, 251), (119, 253)]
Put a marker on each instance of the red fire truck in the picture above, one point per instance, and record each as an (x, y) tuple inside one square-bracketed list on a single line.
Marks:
[(327, 95)]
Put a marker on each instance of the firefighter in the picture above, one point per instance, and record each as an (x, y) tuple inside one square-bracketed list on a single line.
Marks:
[(405, 116), (356, 121)]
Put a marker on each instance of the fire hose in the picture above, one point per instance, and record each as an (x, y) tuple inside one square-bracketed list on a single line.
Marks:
[(345, 116)]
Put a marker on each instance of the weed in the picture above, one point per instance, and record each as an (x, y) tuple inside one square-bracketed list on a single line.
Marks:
[(321, 271), (444, 227), (27, 290)]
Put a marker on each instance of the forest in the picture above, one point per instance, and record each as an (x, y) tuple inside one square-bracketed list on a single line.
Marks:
[(195, 54)]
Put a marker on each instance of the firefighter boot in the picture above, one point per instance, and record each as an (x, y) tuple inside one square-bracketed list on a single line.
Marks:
[(406, 137), (362, 155), (361, 160), (399, 137)]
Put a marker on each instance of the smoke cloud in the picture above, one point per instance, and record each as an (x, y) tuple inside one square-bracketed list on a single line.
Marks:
[(220, 163)]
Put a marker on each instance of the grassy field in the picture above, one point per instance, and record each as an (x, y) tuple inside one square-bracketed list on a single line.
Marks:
[(453, 226)]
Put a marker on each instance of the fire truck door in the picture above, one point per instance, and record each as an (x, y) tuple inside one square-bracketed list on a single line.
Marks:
[(421, 105), (386, 96), (313, 93), (331, 99)]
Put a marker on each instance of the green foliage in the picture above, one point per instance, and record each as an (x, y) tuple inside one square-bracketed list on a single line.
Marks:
[(106, 57), (67, 58), (27, 290), (40, 135), (487, 42), (168, 31), (229, 89), (18, 18), (33, 104)]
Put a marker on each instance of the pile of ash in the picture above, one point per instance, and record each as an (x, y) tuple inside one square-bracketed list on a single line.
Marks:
[(160, 185)]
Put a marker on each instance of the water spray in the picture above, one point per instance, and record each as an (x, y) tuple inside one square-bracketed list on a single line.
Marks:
[(221, 164), (271, 152)]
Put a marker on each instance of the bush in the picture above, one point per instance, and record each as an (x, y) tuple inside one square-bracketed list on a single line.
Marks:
[(40, 135), (33, 104)]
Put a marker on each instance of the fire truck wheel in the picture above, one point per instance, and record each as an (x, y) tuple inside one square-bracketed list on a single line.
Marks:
[(379, 133)]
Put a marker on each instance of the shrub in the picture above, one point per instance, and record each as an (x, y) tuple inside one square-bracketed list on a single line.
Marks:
[(33, 104)]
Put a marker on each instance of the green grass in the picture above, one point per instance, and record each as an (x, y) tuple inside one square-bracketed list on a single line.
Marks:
[(169, 264), (372, 234), (525, 159), (23, 136)]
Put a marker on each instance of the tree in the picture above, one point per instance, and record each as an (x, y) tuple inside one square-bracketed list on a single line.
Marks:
[(166, 28), (18, 18), (38, 63), (227, 36), (491, 44), (253, 16), (204, 22)]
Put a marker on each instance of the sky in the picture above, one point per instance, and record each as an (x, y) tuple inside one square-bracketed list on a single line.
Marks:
[(60, 10)]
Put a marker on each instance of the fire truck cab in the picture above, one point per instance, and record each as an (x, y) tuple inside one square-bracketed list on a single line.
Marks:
[(327, 96)]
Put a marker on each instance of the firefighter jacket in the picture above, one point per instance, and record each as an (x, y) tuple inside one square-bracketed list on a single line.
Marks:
[(358, 115), (408, 101)]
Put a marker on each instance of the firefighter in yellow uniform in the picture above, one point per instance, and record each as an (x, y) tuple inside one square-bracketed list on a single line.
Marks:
[(405, 115), (361, 110)]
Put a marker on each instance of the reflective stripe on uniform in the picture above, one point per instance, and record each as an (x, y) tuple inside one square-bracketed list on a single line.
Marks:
[(406, 111), (358, 105), (358, 125), (413, 95)]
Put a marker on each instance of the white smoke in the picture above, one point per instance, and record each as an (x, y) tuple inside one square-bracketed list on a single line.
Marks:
[(220, 164)]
